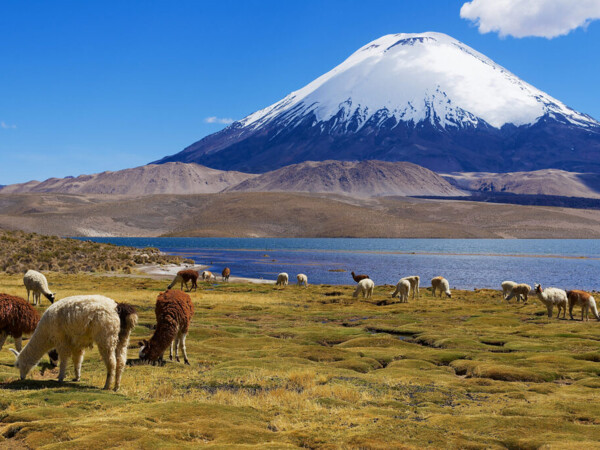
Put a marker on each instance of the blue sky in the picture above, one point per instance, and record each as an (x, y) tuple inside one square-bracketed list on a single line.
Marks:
[(93, 86)]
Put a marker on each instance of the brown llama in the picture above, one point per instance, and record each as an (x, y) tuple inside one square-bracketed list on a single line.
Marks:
[(358, 278), (17, 317), (225, 274), (183, 276), (583, 299), (174, 311)]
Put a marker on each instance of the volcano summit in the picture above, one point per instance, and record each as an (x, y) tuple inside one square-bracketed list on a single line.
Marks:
[(425, 98)]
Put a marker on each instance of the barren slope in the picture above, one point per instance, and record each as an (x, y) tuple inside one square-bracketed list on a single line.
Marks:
[(539, 182), (249, 214), (364, 179), (171, 178)]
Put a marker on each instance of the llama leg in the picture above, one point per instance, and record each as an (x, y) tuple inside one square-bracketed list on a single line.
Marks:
[(27, 295), (110, 361), (121, 355), (77, 361), (3, 336), (18, 343), (183, 350), (549, 308), (171, 351), (571, 310), (63, 356), (176, 343)]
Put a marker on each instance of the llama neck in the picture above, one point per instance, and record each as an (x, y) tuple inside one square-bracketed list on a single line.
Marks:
[(161, 339), (38, 345)]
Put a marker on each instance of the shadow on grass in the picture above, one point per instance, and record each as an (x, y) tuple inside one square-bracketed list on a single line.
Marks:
[(143, 362), (35, 385)]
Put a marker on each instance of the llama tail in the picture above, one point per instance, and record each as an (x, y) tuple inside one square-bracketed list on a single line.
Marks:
[(128, 317), (593, 308)]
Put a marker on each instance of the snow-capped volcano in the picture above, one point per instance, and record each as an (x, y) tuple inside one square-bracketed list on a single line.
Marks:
[(425, 98)]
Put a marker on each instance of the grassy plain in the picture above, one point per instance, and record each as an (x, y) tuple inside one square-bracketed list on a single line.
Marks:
[(293, 367)]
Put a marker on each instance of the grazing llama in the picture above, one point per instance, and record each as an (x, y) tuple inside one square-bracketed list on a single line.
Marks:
[(364, 287), (440, 284), (520, 290), (174, 311), (183, 276), (37, 283), (358, 278), (282, 279), (74, 324), (302, 279), (402, 290), (225, 274), (414, 281)]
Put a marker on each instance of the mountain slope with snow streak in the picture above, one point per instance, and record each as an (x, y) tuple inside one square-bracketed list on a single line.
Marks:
[(425, 98)]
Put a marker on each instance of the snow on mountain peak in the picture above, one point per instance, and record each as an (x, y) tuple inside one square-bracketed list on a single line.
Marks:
[(413, 78)]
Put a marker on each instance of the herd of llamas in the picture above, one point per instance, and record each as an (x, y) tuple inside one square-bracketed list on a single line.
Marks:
[(70, 326)]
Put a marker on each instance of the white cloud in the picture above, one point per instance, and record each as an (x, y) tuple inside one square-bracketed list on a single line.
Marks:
[(223, 120), (521, 18), (6, 126)]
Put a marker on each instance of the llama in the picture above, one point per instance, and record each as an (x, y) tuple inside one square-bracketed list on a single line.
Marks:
[(550, 297), (520, 290), (174, 311), (365, 287), (585, 300), (183, 276), (440, 284), (207, 276), (302, 279), (74, 324), (37, 283), (357, 278), (282, 279), (402, 290), (414, 281), (507, 287), (225, 274), (17, 317)]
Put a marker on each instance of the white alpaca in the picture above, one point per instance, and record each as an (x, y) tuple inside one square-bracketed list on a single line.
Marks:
[(365, 287), (520, 290), (414, 281), (74, 324), (507, 287), (302, 279), (440, 284), (553, 296), (207, 276), (282, 279), (402, 290), (36, 282)]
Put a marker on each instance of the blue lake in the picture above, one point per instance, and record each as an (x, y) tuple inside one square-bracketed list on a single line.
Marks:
[(466, 263)]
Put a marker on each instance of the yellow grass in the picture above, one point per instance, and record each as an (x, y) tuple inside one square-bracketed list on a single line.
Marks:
[(285, 368)]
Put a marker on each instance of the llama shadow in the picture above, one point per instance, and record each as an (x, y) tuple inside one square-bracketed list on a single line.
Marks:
[(36, 385), (143, 362)]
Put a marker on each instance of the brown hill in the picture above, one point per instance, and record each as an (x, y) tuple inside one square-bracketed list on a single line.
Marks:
[(284, 214), (170, 178), (539, 182), (362, 179)]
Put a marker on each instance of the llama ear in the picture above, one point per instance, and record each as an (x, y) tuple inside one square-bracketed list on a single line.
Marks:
[(16, 353)]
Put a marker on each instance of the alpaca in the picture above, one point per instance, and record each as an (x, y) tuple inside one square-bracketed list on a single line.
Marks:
[(74, 324), (583, 299), (38, 284), (183, 276), (442, 285), (402, 290), (225, 274), (282, 279), (17, 317), (207, 276), (302, 279), (507, 286), (552, 296), (174, 311), (520, 290), (357, 278), (365, 287), (414, 281)]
